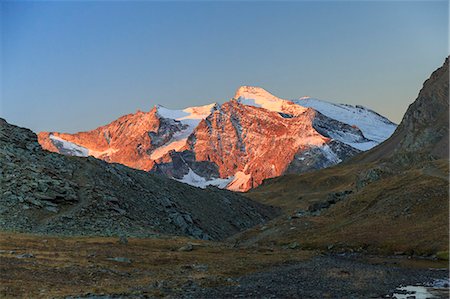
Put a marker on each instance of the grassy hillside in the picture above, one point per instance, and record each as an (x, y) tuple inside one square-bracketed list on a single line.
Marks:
[(385, 210)]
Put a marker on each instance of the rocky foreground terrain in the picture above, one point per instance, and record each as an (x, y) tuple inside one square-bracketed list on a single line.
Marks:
[(50, 193)]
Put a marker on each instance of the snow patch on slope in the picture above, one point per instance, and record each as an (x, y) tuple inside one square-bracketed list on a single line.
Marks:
[(105, 153), (169, 113), (239, 182), (362, 146), (173, 144), (374, 126), (190, 117), (195, 113), (73, 149), (330, 155), (259, 97), (69, 148), (352, 140), (194, 179)]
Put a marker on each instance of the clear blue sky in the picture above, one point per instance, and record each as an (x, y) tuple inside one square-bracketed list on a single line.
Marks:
[(71, 66)]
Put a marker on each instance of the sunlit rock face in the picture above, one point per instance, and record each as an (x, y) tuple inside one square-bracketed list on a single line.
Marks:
[(236, 145), (251, 144), (126, 140)]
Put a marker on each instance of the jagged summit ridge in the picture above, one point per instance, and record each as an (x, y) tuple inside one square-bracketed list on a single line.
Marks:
[(259, 97), (375, 127), (236, 145)]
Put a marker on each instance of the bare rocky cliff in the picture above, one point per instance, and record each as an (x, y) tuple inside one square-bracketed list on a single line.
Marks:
[(424, 129)]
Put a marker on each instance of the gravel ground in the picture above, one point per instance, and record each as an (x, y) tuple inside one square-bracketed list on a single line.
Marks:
[(322, 277)]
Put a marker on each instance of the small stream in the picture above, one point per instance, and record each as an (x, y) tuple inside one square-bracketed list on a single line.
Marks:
[(437, 289)]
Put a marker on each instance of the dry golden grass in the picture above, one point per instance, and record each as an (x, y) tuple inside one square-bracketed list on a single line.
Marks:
[(407, 212), (78, 265)]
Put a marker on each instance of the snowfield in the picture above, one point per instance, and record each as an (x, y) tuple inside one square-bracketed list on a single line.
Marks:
[(194, 179), (69, 148), (374, 126)]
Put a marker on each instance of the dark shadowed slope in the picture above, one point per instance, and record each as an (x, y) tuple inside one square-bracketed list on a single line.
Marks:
[(424, 127), (51, 193)]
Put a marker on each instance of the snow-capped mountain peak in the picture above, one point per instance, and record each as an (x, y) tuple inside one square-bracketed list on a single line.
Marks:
[(195, 112), (236, 145), (256, 93), (374, 126), (259, 97)]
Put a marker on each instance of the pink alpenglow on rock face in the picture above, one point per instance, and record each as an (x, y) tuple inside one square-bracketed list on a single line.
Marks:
[(236, 145)]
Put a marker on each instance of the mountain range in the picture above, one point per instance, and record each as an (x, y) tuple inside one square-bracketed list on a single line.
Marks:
[(235, 145), (357, 229)]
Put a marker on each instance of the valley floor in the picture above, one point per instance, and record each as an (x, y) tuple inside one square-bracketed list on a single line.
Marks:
[(36, 266)]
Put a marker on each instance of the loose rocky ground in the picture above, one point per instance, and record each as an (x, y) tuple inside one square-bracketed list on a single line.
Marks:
[(33, 266), (325, 277)]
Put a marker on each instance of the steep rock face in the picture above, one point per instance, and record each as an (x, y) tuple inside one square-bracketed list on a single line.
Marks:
[(423, 131), (425, 124), (236, 145), (50, 193), (126, 140), (253, 144)]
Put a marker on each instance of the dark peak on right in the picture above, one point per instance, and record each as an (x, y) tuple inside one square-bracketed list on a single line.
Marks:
[(424, 129)]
